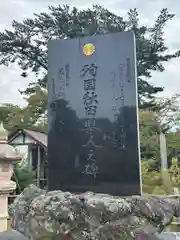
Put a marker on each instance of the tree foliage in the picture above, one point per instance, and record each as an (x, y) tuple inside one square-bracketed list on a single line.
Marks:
[(6, 109), (173, 140), (23, 176), (26, 44), (168, 112), (30, 115), (149, 128), (151, 123), (160, 183), (175, 172), (155, 182)]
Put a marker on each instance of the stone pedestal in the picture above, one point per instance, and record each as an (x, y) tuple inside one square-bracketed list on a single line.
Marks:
[(8, 156), (4, 193), (3, 212)]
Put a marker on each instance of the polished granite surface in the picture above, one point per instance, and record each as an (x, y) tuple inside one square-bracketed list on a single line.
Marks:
[(93, 142)]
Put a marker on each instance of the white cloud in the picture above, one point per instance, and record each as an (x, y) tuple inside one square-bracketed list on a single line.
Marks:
[(10, 80), (10, 83)]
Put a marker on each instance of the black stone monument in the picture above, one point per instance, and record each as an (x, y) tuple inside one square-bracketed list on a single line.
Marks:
[(93, 139)]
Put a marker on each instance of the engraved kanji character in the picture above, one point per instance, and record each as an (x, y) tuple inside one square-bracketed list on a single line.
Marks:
[(52, 106), (90, 125), (122, 132), (61, 71), (114, 108), (113, 81), (122, 145), (122, 128), (90, 84), (67, 74), (61, 123), (120, 98), (91, 122), (91, 69), (61, 88), (121, 69), (61, 77), (116, 116), (90, 111), (53, 87), (128, 70), (90, 98), (121, 65), (122, 101), (114, 96), (61, 93), (91, 169), (90, 155), (91, 142)]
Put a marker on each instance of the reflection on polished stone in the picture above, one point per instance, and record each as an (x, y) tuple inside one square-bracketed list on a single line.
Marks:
[(93, 142), (169, 236)]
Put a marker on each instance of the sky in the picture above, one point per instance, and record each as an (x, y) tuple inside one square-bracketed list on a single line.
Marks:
[(10, 80)]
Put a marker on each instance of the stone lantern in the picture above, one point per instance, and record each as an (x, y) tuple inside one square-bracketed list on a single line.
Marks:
[(8, 156)]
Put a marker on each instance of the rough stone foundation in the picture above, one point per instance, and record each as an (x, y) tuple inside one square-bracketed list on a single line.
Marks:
[(43, 215)]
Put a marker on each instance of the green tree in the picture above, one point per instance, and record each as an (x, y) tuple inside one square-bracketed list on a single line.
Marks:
[(36, 106), (30, 115), (163, 118), (26, 44), (23, 176), (175, 172), (149, 128), (155, 182), (168, 112), (7, 109), (173, 146)]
